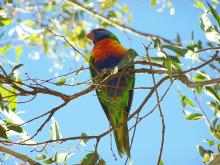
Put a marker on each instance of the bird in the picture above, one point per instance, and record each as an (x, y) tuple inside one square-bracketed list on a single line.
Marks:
[(116, 93)]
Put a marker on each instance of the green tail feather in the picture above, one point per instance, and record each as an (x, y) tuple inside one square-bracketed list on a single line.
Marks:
[(122, 140)]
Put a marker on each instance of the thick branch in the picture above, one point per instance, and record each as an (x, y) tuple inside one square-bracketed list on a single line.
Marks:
[(191, 84), (18, 155), (148, 36)]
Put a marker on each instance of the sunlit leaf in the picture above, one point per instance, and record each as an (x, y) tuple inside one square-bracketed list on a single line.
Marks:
[(177, 49), (161, 162), (215, 130), (192, 55), (186, 101), (124, 8), (61, 82), (153, 3), (168, 63), (210, 142), (199, 90), (169, 3), (195, 116), (172, 11), (62, 157), (49, 161), (19, 51), (201, 76), (54, 130), (209, 29), (29, 22), (206, 158), (199, 4), (4, 21), (4, 49), (212, 93), (90, 158), (215, 106), (214, 13), (9, 97), (41, 157)]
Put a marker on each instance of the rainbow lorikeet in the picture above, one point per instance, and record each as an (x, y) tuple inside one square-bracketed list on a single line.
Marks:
[(115, 95)]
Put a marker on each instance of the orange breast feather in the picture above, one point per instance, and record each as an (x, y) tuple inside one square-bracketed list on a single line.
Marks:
[(107, 47)]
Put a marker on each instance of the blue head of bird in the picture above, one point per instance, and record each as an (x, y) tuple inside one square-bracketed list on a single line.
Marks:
[(99, 34)]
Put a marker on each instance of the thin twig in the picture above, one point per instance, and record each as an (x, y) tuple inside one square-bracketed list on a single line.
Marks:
[(160, 110)]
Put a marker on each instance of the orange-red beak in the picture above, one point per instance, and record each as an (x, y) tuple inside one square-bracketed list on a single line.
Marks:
[(90, 36)]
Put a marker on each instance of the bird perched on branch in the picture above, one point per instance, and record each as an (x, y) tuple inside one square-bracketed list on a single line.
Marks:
[(114, 93)]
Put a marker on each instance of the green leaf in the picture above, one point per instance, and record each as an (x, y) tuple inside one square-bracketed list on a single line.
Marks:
[(211, 33), (4, 49), (214, 122), (153, 3), (29, 22), (186, 101), (19, 50), (215, 130), (201, 76), (61, 82), (83, 140), (195, 116), (161, 162), (3, 132), (201, 150), (210, 142), (62, 157), (215, 107), (4, 21), (90, 158), (157, 43), (199, 5), (49, 161), (54, 130), (101, 162), (206, 158), (169, 4), (177, 49), (16, 67), (214, 13), (124, 9), (199, 90), (131, 54), (14, 127), (212, 93), (168, 63), (172, 11), (41, 157)]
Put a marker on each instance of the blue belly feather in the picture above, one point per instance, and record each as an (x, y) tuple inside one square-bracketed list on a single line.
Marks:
[(109, 62), (120, 81)]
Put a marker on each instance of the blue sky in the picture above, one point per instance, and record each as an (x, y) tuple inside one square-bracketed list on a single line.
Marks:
[(85, 114)]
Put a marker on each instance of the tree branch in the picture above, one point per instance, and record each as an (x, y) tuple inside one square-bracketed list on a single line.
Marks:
[(148, 36), (18, 155)]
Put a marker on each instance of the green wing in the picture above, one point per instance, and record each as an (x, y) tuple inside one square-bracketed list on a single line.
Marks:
[(115, 97)]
